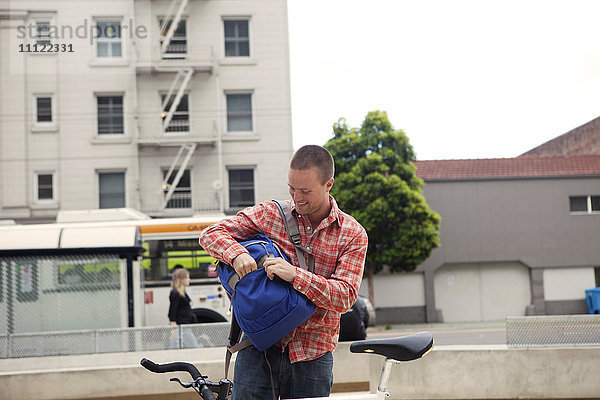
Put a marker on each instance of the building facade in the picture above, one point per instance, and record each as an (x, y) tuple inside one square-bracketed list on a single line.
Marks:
[(518, 236), (173, 108)]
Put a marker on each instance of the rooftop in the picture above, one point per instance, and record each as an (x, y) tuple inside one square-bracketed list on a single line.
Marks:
[(583, 140), (520, 167)]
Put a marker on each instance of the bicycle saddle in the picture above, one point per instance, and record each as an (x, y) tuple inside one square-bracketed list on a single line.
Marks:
[(403, 348)]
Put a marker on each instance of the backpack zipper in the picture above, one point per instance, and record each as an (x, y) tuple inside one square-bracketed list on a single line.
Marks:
[(264, 244)]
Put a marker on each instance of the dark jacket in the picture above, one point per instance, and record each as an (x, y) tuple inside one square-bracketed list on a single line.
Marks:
[(353, 324), (180, 310)]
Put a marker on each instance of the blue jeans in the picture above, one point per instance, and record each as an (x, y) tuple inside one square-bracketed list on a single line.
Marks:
[(252, 379)]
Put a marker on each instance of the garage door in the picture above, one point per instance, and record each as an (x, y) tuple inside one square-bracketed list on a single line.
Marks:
[(481, 291)]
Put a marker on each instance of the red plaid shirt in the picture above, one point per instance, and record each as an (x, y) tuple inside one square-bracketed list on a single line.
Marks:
[(339, 245)]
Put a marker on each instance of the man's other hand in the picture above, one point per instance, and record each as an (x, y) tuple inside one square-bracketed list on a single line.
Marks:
[(244, 264), (278, 266)]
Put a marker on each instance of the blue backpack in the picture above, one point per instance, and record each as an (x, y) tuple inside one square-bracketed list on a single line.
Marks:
[(265, 310)]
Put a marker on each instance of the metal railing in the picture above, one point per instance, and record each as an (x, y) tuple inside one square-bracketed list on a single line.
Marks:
[(197, 128), (553, 331), (183, 204), (116, 340)]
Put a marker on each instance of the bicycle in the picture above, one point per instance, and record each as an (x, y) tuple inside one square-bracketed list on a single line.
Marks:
[(395, 350)]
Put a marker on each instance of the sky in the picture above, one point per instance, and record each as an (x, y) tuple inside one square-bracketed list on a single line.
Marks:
[(461, 78)]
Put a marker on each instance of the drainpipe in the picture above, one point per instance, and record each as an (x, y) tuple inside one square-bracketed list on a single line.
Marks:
[(134, 94), (220, 143)]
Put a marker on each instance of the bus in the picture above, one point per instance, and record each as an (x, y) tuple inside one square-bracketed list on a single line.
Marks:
[(102, 273)]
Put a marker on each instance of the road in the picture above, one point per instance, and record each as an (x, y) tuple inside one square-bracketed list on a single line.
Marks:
[(475, 333)]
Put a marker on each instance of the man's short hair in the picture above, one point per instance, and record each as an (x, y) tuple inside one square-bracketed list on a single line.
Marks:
[(313, 156)]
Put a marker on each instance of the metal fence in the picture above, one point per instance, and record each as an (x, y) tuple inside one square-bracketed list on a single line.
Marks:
[(91, 341), (60, 293), (553, 331)]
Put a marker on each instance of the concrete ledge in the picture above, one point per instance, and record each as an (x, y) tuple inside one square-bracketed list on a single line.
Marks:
[(119, 375), (495, 372), (448, 372)]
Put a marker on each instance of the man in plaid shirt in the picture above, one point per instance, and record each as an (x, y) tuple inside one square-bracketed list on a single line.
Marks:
[(301, 363)]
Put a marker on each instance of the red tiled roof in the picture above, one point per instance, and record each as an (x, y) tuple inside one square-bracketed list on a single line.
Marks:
[(520, 167)]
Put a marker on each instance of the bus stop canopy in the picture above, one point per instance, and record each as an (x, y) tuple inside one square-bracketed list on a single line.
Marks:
[(88, 237)]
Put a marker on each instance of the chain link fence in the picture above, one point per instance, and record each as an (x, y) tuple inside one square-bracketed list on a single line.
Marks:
[(61, 343), (553, 331), (57, 293), (75, 304)]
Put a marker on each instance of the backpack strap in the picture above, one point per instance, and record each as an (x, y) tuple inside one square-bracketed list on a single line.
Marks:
[(291, 226), (233, 343), (235, 334)]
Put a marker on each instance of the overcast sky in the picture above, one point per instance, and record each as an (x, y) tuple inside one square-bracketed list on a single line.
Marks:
[(462, 78)]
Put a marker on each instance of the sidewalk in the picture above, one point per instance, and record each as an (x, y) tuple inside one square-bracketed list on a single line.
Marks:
[(449, 333)]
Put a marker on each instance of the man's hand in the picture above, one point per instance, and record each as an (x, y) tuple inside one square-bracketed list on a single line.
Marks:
[(278, 266), (244, 264)]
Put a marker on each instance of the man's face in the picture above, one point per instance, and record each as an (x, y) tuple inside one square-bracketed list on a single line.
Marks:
[(308, 191)]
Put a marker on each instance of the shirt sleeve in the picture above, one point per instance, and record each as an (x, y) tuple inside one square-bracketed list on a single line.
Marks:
[(339, 292), (173, 305), (219, 240)]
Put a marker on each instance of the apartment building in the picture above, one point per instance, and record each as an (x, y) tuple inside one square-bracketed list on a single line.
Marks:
[(173, 108)]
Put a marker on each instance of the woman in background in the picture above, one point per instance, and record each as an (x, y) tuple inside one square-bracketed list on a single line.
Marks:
[(180, 311)]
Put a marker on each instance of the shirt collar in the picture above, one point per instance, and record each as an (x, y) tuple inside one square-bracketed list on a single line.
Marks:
[(334, 213)]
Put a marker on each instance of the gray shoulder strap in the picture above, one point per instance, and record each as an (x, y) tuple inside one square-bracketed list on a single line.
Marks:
[(291, 226)]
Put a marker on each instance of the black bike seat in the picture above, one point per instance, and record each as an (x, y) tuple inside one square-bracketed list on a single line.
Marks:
[(403, 348)]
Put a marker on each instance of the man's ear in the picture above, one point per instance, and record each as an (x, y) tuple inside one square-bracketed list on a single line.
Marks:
[(329, 184)]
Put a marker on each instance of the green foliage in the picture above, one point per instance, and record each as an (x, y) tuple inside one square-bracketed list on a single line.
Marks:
[(376, 183)]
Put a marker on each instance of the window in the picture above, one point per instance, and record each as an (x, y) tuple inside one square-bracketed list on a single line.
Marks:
[(239, 112), (241, 188), (43, 107), (44, 186), (595, 203), (110, 115), (111, 187), (237, 40), (108, 39), (180, 122), (91, 272), (172, 252), (177, 48), (584, 204), (42, 32), (182, 195)]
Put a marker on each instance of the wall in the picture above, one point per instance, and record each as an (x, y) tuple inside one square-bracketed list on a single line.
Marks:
[(448, 372), (495, 372), (398, 297), (564, 289), (87, 374), (524, 221)]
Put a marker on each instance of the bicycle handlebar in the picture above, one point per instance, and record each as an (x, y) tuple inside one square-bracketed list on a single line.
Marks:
[(171, 367), (204, 388)]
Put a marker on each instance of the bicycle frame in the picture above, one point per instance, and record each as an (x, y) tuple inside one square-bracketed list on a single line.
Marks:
[(382, 390)]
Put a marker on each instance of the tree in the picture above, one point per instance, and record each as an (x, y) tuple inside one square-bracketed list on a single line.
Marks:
[(375, 182)]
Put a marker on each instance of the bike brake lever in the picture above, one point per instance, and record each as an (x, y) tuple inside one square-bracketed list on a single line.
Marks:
[(185, 385)]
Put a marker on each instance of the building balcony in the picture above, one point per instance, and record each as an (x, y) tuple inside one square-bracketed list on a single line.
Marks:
[(179, 131), (203, 201), (198, 57)]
